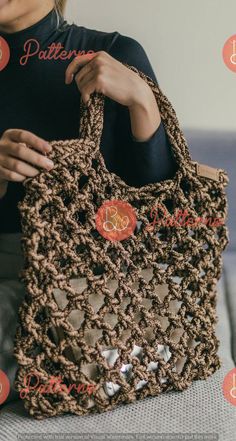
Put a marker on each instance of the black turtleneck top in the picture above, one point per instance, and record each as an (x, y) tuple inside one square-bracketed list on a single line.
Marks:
[(34, 97)]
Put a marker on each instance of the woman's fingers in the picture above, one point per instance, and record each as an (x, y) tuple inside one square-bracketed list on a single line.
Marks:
[(10, 175), (74, 66), (19, 158), (93, 73), (23, 152), (86, 85), (19, 167), (84, 72), (23, 136)]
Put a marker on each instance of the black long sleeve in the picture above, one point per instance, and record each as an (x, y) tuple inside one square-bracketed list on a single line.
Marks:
[(34, 97), (139, 163)]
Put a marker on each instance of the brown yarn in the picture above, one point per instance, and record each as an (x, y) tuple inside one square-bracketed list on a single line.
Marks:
[(148, 290)]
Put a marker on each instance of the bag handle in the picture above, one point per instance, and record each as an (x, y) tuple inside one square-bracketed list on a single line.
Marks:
[(92, 115)]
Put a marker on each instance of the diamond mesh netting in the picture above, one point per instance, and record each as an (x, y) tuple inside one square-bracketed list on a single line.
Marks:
[(134, 317)]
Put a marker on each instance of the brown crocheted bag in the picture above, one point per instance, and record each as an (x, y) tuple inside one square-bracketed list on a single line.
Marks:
[(112, 321)]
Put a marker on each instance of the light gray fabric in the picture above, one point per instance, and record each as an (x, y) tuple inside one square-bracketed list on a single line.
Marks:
[(223, 327), (196, 410), (230, 277), (200, 409)]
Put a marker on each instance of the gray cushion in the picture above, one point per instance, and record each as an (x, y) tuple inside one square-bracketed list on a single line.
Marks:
[(230, 289), (217, 149)]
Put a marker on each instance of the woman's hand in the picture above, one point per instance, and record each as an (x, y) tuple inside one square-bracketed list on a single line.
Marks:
[(102, 73), (17, 160)]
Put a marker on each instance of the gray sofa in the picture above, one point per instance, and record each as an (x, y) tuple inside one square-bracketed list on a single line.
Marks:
[(202, 409)]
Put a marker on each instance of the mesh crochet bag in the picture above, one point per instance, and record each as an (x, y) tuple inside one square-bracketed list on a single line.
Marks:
[(103, 321)]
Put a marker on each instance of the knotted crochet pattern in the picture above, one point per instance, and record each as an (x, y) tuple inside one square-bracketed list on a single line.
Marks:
[(149, 299)]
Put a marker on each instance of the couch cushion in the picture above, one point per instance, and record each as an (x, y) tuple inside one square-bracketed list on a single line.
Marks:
[(230, 289), (217, 149)]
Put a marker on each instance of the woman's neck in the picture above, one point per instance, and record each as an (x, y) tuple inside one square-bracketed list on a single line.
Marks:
[(27, 20)]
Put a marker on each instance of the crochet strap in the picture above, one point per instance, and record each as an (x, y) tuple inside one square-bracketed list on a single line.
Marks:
[(92, 116)]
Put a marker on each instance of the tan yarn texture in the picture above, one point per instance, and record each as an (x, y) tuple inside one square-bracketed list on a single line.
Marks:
[(86, 294)]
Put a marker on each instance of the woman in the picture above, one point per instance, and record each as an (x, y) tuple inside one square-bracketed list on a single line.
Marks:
[(40, 101)]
